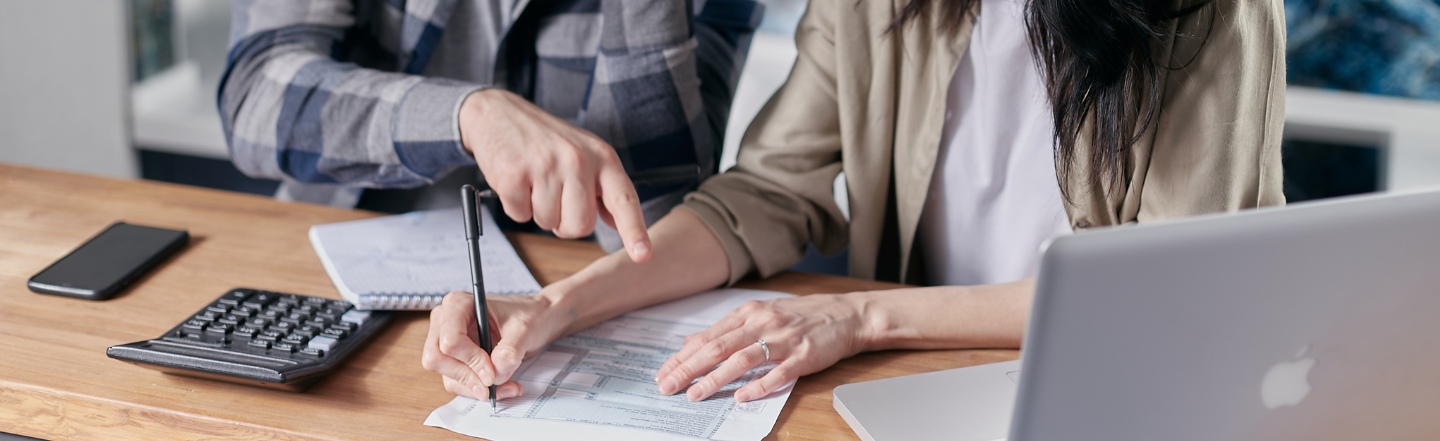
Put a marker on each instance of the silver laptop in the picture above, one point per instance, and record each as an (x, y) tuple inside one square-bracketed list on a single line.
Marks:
[(1317, 321)]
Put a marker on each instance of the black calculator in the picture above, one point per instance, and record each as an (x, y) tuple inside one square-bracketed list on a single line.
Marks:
[(270, 339)]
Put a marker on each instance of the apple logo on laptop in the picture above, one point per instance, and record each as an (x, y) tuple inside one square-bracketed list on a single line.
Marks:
[(1287, 383)]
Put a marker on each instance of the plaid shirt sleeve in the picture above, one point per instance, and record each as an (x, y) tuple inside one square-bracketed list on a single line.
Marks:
[(661, 80), (291, 110)]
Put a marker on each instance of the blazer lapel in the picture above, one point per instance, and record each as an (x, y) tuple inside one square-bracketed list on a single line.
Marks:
[(920, 117)]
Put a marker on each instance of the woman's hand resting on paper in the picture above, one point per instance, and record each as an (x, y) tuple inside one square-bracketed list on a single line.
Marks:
[(451, 349), (809, 333), (804, 334)]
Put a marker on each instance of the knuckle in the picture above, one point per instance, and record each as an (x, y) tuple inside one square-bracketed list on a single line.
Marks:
[(716, 350), (779, 374), (751, 306), (685, 371), (625, 196), (747, 358), (767, 317), (429, 360), (710, 383), (504, 182), (572, 157), (449, 345), (547, 162)]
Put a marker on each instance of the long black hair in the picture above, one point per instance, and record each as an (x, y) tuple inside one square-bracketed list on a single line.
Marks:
[(1097, 58)]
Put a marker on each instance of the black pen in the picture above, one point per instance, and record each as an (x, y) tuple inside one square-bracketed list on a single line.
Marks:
[(473, 230)]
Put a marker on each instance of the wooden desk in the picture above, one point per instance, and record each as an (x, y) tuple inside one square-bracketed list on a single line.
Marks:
[(57, 383)]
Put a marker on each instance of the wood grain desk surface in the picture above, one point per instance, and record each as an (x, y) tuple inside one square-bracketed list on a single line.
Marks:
[(57, 383)]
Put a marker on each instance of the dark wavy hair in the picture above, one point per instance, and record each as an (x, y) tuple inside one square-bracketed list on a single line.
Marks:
[(1097, 57)]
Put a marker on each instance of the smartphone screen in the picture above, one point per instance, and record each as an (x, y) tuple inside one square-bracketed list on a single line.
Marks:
[(108, 262)]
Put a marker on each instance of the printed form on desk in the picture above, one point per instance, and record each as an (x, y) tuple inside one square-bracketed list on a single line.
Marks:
[(599, 384)]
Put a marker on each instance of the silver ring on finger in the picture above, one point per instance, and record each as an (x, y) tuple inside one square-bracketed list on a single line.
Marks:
[(765, 348)]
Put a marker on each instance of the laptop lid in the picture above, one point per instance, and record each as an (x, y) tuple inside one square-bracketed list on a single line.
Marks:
[(1314, 321)]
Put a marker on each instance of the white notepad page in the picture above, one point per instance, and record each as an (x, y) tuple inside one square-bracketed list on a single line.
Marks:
[(411, 260)]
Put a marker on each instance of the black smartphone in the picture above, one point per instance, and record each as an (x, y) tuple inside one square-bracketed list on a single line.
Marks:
[(108, 262)]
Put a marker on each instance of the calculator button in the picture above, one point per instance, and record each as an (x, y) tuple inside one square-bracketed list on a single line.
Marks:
[(335, 333), (319, 322), (247, 331), (283, 327), (309, 330), (259, 300), (296, 318), (219, 328), (330, 312), (356, 317), (295, 339), (234, 297), (197, 341), (270, 335), (230, 319), (323, 343), (283, 347), (218, 308), (312, 352), (272, 314), (262, 344), (183, 335), (260, 323), (308, 308), (195, 324), (316, 301), (208, 316), (243, 312), (344, 326), (290, 298), (281, 306)]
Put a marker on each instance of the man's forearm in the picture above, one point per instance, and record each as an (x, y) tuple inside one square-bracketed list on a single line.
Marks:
[(686, 259)]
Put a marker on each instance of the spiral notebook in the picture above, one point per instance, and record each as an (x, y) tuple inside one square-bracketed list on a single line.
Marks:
[(411, 260)]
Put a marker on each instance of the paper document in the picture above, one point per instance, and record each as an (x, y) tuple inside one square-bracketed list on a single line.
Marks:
[(599, 384), (411, 260)]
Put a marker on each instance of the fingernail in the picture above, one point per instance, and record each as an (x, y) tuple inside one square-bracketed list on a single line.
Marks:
[(742, 396), (669, 386), (641, 248), (695, 393), (661, 374)]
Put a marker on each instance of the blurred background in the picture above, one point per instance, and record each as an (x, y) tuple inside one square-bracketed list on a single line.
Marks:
[(127, 89)]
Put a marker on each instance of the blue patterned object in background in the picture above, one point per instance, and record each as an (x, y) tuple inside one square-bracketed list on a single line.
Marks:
[(1387, 47)]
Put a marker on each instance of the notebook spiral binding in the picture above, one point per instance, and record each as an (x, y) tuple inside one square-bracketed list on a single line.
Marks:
[(400, 301), (413, 302)]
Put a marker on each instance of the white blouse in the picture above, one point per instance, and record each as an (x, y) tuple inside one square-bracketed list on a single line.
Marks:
[(994, 198)]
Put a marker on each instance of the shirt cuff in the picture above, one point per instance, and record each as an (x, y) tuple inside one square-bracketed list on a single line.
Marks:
[(427, 127)]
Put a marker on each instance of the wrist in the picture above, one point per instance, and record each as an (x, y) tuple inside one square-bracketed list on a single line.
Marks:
[(569, 301), (472, 112), (875, 324)]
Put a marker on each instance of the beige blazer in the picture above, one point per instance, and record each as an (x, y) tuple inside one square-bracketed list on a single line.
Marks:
[(872, 104)]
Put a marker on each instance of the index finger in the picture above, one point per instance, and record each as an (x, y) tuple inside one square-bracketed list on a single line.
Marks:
[(618, 194)]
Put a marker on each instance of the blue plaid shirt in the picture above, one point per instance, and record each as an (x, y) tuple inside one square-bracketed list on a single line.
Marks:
[(332, 91)]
